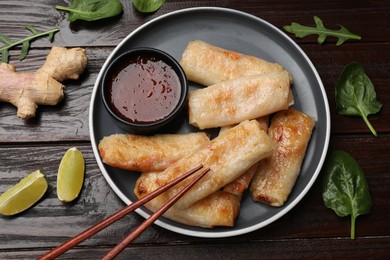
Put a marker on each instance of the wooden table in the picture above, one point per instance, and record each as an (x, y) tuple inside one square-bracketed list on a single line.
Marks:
[(308, 231)]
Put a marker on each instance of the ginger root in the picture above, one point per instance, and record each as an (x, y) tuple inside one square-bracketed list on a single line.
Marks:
[(27, 90)]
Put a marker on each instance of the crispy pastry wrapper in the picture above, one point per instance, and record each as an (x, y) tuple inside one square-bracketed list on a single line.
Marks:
[(148, 153), (240, 99), (239, 185), (218, 209), (276, 175), (207, 64), (228, 156)]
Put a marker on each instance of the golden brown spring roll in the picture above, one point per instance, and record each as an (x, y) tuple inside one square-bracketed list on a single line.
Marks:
[(239, 185), (207, 64), (276, 175), (148, 153), (240, 99), (228, 156), (218, 209)]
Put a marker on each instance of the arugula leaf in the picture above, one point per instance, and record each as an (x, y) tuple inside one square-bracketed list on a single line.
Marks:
[(345, 188), (148, 6), (355, 94), (301, 31), (91, 10), (25, 42)]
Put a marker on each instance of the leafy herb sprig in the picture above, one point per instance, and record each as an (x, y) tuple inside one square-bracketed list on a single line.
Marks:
[(345, 188), (148, 6), (91, 10), (25, 42), (301, 31), (355, 94)]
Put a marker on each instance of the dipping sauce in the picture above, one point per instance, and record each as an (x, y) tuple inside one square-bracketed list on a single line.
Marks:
[(143, 89)]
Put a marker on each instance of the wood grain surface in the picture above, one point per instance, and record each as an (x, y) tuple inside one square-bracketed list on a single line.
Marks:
[(308, 231)]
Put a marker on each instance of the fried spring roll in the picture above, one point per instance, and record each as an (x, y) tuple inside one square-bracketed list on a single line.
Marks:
[(207, 64), (218, 209), (276, 175), (239, 185), (148, 153), (228, 156), (240, 99)]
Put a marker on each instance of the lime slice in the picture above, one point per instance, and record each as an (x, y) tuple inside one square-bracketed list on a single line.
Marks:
[(24, 194), (70, 175)]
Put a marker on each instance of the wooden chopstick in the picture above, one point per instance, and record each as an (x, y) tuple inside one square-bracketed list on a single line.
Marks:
[(120, 214), (133, 235)]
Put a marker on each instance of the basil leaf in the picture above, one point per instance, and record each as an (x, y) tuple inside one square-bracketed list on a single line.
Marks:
[(355, 94), (91, 10), (148, 6), (345, 188)]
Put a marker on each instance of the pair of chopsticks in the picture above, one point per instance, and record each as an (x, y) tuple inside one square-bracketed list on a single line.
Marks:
[(121, 213)]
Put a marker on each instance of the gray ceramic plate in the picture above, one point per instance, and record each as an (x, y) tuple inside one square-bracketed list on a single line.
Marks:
[(240, 32)]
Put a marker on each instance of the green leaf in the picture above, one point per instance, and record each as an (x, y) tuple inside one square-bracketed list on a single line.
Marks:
[(148, 6), (51, 35), (4, 50), (91, 10), (31, 29), (25, 42), (5, 39), (24, 51), (355, 94), (345, 188), (301, 31)]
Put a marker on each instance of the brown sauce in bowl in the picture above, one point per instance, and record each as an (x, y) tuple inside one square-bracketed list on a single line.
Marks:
[(143, 89)]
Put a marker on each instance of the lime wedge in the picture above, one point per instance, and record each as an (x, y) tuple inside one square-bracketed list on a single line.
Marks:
[(24, 194), (70, 175)]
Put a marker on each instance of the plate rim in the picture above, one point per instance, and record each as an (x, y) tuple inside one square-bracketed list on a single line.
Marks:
[(195, 233)]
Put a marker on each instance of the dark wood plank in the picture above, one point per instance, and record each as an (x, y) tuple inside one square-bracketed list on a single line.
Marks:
[(95, 202), (361, 17), (308, 231), (65, 121), (308, 219), (330, 60), (71, 115), (361, 248)]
